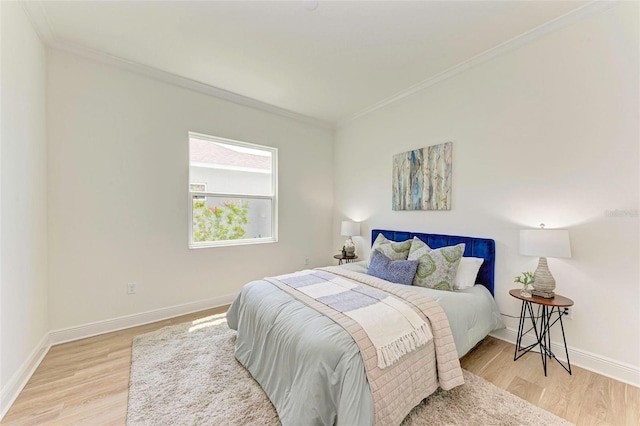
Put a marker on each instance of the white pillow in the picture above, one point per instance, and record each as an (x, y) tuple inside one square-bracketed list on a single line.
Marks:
[(467, 272)]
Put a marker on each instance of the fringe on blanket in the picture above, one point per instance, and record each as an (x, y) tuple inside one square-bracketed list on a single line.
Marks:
[(390, 354)]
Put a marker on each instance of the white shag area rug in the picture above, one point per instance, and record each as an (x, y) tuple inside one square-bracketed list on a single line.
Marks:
[(187, 375)]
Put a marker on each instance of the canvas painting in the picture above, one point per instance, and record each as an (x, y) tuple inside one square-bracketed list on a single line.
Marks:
[(422, 178)]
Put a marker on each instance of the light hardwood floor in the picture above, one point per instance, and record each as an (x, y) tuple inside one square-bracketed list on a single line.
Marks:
[(86, 383)]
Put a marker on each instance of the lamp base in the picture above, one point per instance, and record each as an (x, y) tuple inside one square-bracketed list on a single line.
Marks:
[(545, 294), (350, 247), (543, 281)]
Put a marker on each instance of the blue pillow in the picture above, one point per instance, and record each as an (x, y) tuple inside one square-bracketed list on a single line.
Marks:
[(396, 271)]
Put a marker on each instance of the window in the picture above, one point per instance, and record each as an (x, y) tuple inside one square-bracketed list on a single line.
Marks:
[(232, 192), (198, 187)]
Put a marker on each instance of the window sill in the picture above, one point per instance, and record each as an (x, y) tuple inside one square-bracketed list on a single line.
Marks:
[(228, 243)]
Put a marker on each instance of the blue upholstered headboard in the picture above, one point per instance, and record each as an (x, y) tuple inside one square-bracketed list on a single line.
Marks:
[(475, 247)]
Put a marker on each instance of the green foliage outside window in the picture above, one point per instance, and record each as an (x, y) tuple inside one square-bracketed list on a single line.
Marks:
[(215, 223)]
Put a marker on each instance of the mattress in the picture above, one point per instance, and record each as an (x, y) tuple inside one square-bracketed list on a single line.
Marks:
[(311, 368)]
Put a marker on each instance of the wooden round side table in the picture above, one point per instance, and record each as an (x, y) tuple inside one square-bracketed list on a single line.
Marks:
[(541, 323), (345, 259)]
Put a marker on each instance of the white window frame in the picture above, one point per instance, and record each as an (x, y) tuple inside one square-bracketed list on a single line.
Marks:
[(199, 194), (197, 197)]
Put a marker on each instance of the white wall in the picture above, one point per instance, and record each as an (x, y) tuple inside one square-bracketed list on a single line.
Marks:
[(117, 165), (549, 133), (23, 234), (118, 179)]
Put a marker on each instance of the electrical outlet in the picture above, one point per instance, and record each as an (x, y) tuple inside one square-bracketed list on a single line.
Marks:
[(306, 260), (567, 312), (131, 288)]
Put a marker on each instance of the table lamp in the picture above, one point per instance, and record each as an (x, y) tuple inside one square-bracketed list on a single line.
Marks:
[(350, 229), (544, 243)]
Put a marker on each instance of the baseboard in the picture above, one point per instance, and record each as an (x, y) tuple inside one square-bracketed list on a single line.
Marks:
[(10, 392), (19, 379), (602, 365), (608, 367), (70, 334)]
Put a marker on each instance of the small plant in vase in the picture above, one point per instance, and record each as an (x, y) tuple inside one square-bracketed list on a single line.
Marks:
[(344, 252), (526, 278)]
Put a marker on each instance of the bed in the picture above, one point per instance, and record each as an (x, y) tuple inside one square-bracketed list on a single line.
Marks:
[(315, 372)]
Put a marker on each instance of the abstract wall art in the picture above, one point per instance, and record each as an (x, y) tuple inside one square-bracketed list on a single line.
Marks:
[(422, 178)]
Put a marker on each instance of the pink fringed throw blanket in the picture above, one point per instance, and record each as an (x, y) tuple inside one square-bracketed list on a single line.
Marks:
[(393, 327), (398, 387)]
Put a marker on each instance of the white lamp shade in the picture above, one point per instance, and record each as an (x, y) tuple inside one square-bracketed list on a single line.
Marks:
[(545, 243), (349, 228)]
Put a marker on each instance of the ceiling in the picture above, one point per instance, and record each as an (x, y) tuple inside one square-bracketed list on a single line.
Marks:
[(328, 60)]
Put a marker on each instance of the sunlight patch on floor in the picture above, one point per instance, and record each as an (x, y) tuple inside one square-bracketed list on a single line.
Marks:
[(209, 321)]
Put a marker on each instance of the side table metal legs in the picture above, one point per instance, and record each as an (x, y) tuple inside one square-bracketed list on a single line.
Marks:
[(541, 324)]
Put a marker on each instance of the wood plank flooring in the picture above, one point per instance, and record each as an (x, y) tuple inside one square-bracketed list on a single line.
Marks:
[(583, 398), (86, 383)]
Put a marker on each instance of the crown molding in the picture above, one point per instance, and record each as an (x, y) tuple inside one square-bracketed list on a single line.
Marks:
[(39, 20), (43, 27), (184, 82), (589, 9)]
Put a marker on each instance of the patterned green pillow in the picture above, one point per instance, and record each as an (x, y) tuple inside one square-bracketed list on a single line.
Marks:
[(437, 268), (393, 250), (417, 244)]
